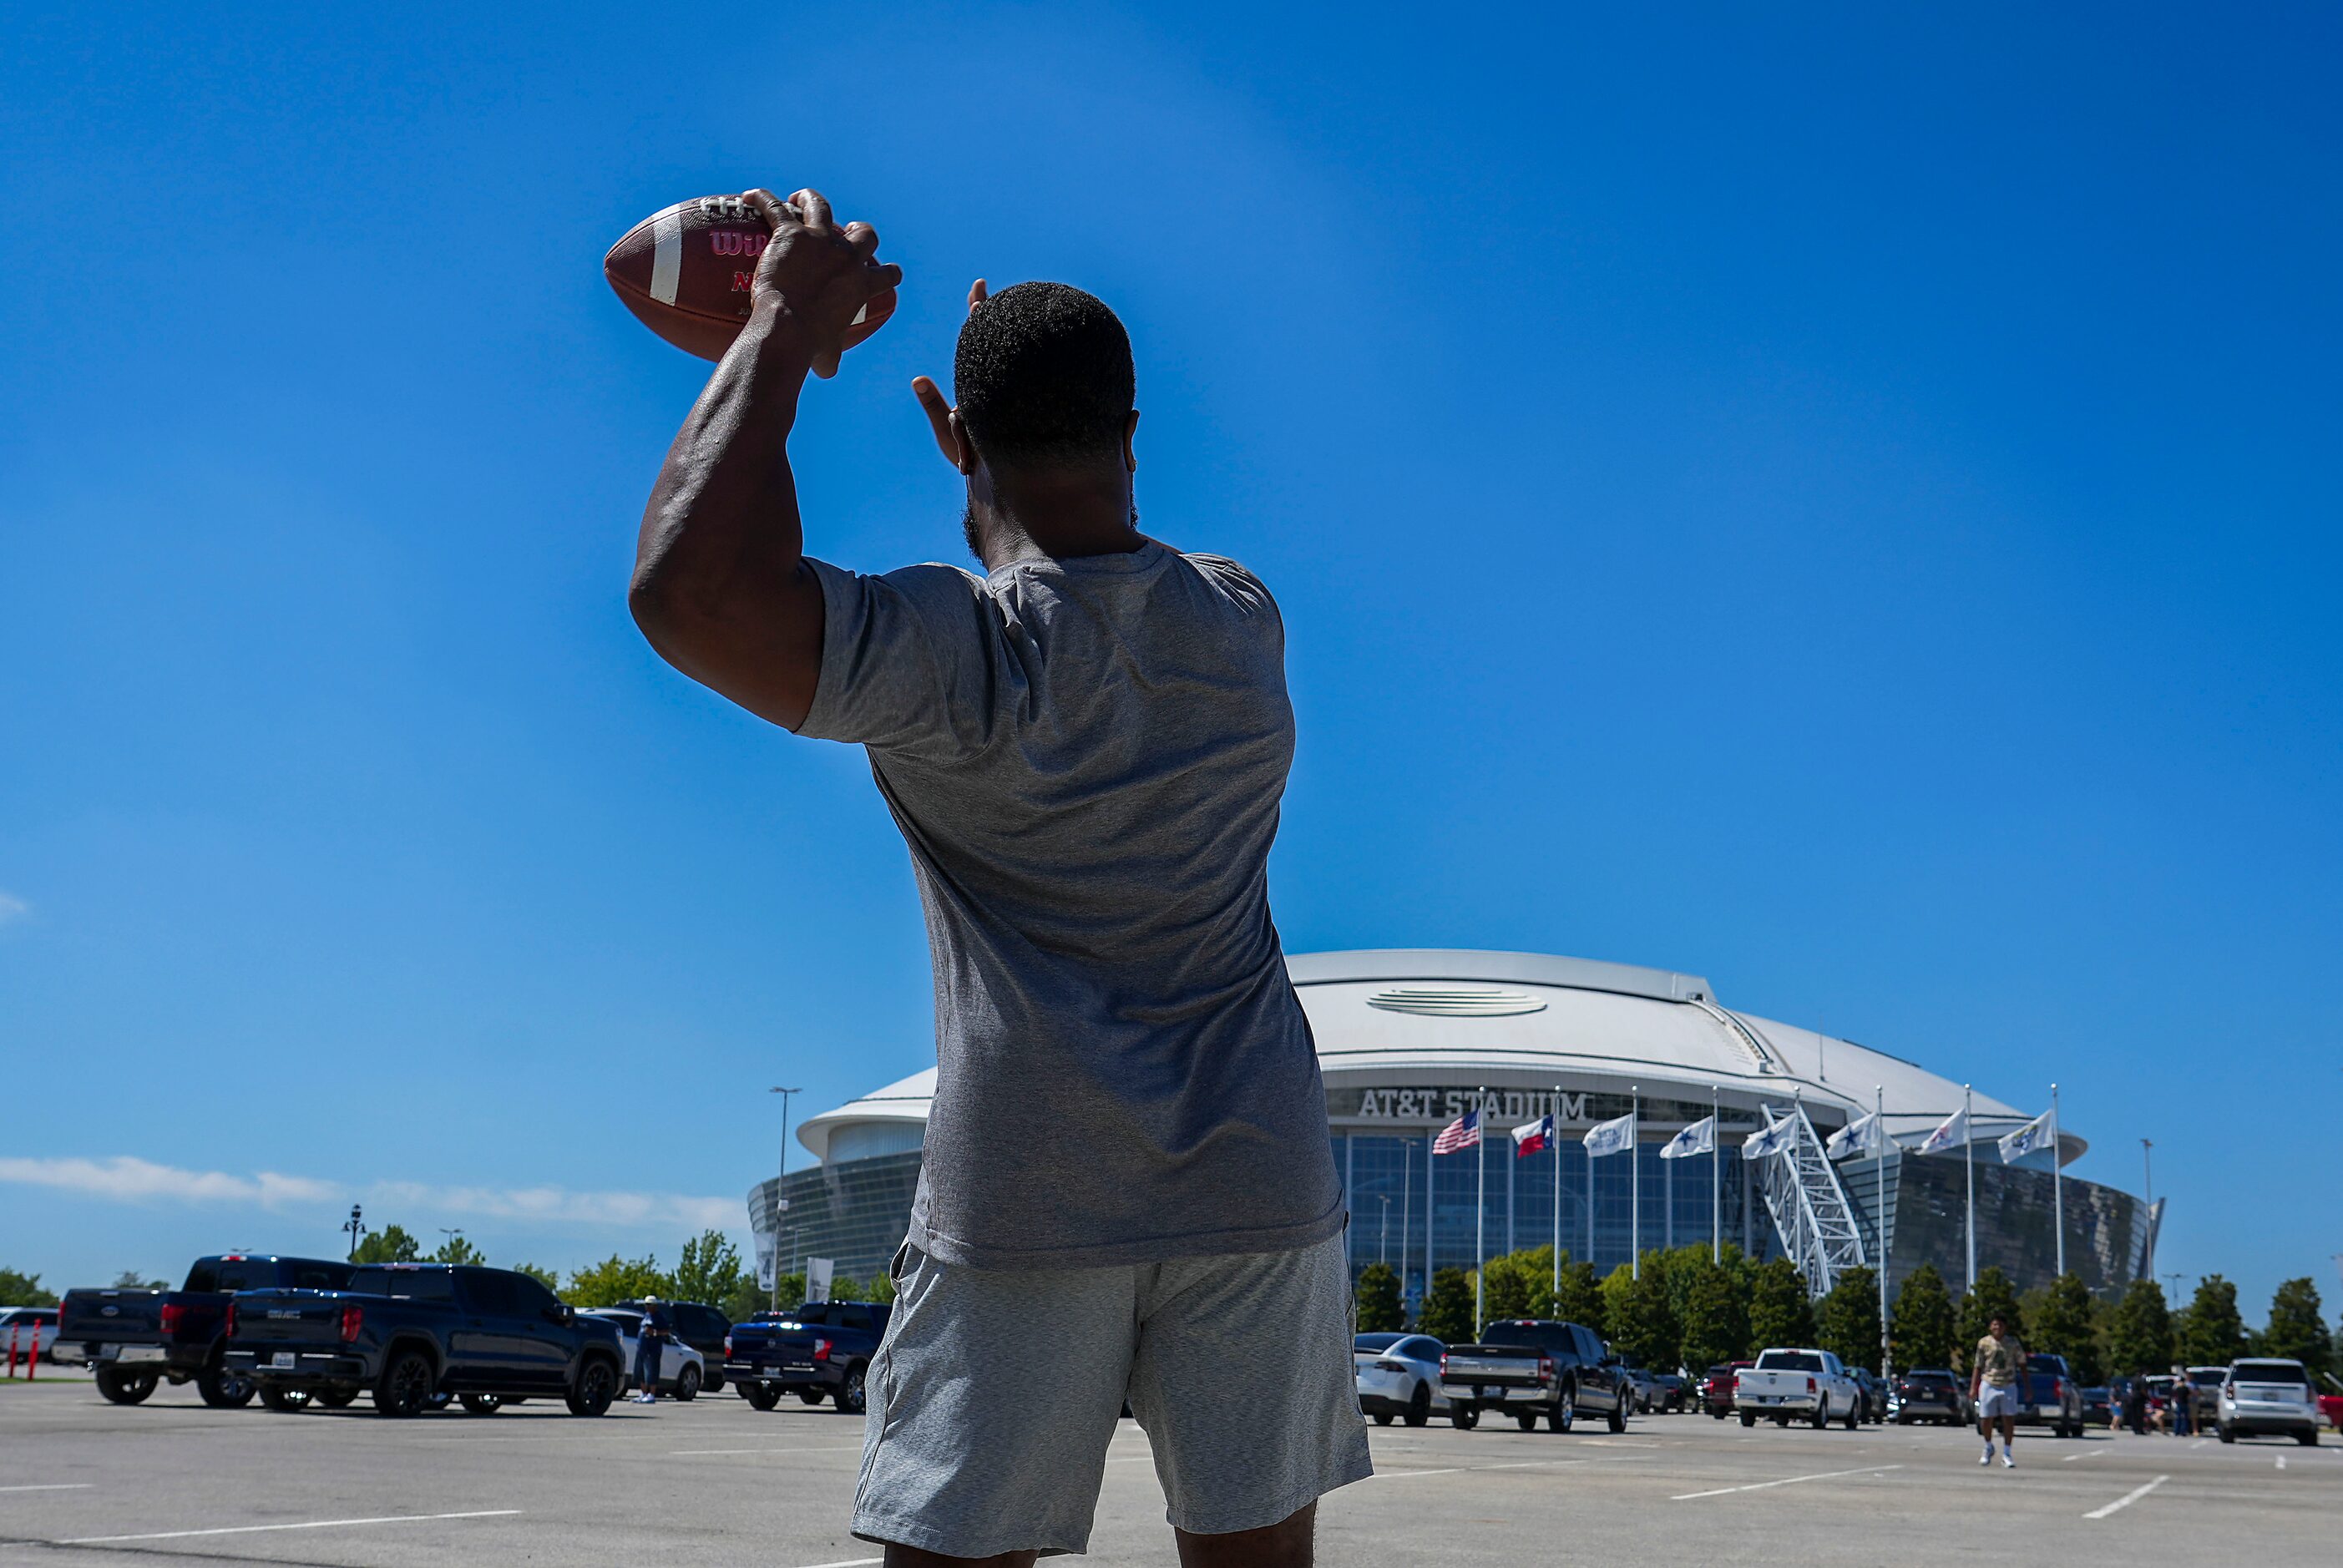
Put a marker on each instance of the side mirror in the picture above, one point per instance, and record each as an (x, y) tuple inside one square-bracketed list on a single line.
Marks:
[(565, 1314)]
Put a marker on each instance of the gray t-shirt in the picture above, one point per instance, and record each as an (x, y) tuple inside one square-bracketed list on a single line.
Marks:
[(1085, 757)]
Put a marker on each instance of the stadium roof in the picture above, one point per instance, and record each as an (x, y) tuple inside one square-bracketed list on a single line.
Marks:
[(1514, 1019)]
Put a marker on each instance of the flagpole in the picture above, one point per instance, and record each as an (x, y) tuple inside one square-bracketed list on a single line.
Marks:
[(1553, 1136), (1879, 1220), (1716, 1181), (1431, 1142), (1634, 1183), (1968, 1158), (2057, 1192), (1480, 1212), (1406, 1185)]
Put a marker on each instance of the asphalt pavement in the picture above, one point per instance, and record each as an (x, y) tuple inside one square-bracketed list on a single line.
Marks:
[(715, 1482)]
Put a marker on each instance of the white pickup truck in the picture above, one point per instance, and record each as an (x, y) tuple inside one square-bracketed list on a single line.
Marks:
[(1811, 1384)]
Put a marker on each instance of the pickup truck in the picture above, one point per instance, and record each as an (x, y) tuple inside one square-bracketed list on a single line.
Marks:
[(2049, 1396), (133, 1339), (409, 1331), (1533, 1367), (1797, 1382), (822, 1348)]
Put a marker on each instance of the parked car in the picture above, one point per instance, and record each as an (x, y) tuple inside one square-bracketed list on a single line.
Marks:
[(1810, 1384), (701, 1327), (1674, 1391), (2269, 1397), (412, 1331), (1931, 1394), (1644, 1384), (1533, 1367), (1716, 1387), (821, 1350), (28, 1332), (1874, 1390), (682, 1370), (133, 1339), (1399, 1377), (2330, 1405), (2049, 1396), (2099, 1406)]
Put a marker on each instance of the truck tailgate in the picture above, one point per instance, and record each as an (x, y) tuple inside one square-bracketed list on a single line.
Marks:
[(111, 1317), (310, 1318), (1495, 1370)]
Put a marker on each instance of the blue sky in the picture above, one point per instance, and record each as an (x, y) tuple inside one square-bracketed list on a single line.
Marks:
[(1845, 505)]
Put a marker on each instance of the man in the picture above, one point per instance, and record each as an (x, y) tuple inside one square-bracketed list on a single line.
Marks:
[(1995, 1375), (1084, 750), (651, 1335)]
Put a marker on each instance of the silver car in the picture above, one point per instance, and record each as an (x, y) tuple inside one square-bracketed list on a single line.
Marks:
[(2270, 1397), (1399, 1375)]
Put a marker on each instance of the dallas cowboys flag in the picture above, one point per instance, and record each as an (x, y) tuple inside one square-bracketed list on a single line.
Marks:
[(1773, 1140), (1700, 1138), (2034, 1134), (1951, 1134), (1860, 1136), (1613, 1137)]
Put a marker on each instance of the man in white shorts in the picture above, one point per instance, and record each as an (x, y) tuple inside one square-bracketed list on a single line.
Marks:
[(1127, 1192), (1996, 1373)]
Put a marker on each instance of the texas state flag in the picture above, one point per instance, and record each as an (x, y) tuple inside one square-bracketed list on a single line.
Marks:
[(1531, 1137)]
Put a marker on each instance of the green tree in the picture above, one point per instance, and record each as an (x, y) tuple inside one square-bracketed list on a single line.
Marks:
[(543, 1276), (1848, 1321), (881, 1287), (2297, 1329), (2210, 1332), (1780, 1311), (709, 1269), (1447, 1314), (1715, 1312), (129, 1280), (1920, 1326), (1642, 1328), (455, 1250), (19, 1289), (1581, 1299), (1993, 1296), (2066, 1323), (744, 1301), (617, 1279), (2139, 1330), (391, 1244), (1380, 1309), (1521, 1284)]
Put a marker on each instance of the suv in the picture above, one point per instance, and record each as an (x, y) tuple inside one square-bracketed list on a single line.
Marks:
[(699, 1325), (1931, 1394), (2269, 1396)]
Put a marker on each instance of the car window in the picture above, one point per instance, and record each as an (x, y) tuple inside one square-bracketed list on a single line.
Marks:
[(404, 1285), (1372, 1342), (203, 1276), (531, 1296), (1421, 1347), (851, 1317), (307, 1276), (2045, 1364), (490, 1292), (705, 1322), (1789, 1361), (2269, 1372), (2207, 1377)]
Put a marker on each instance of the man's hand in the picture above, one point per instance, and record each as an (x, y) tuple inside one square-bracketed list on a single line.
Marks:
[(939, 412), (818, 273)]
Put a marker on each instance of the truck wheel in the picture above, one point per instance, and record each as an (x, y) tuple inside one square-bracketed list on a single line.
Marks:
[(483, 1403), (686, 1387), (808, 1395), (1619, 1415), (1853, 1413), (715, 1383), (1418, 1406), (223, 1390), (404, 1387), (1383, 1418), (596, 1386), (1463, 1417), (1821, 1418), (335, 1396), (761, 1396), (2307, 1439), (2228, 1433), (1749, 1418), (285, 1401), (1527, 1419), (851, 1393), (1565, 1414), (124, 1387)]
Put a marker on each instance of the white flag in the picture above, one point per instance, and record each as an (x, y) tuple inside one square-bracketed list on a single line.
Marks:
[(819, 1272), (1952, 1133), (1700, 1138), (2034, 1134), (768, 1259), (1860, 1136), (1773, 1140), (1611, 1137)]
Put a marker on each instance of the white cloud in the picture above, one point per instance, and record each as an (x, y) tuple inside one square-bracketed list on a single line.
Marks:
[(13, 908), (126, 1179)]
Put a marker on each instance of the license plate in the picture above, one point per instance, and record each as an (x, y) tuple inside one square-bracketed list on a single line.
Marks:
[(1491, 1390), (769, 1372), (140, 1354), (283, 1360)]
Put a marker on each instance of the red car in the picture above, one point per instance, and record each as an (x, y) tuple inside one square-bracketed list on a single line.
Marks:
[(1716, 1388)]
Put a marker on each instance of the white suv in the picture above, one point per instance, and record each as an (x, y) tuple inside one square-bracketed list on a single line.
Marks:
[(2269, 1396)]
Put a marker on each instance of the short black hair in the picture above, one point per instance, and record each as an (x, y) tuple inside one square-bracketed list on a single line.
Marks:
[(1043, 376)]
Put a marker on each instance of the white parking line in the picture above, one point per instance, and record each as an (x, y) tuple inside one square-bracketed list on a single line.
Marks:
[(2086, 1453), (2128, 1498), (306, 1524), (1786, 1481), (2281, 1462), (2199, 1443), (1475, 1469), (86, 1485), (701, 1452)]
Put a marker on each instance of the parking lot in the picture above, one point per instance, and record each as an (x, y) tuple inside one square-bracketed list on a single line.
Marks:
[(715, 1482)]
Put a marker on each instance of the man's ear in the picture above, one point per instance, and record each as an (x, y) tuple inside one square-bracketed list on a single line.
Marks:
[(963, 448), (1129, 436)]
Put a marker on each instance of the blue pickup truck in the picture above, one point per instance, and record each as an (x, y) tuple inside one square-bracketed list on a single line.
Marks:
[(133, 1339), (821, 1350)]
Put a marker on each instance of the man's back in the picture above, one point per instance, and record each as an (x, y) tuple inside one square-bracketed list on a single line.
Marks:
[(1086, 757)]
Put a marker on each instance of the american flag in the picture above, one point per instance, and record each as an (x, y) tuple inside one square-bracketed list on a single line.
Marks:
[(1462, 1133)]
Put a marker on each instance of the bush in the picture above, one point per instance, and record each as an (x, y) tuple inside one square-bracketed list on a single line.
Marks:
[(1849, 1320), (1447, 1314), (1920, 1326), (1380, 1309), (1780, 1313)]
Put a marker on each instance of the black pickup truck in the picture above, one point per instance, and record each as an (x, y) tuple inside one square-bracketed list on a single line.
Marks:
[(410, 1332), (135, 1338), (1532, 1368), (822, 1348)]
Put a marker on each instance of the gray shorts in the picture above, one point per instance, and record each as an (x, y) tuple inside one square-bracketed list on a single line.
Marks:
[(995, 1392), (1995, 1401)]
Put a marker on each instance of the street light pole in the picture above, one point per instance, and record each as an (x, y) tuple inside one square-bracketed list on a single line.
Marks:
[(1384, 1256), (356, 1226), (777, 1178)]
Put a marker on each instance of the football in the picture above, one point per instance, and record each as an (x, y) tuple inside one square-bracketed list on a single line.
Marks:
[(685, 274)]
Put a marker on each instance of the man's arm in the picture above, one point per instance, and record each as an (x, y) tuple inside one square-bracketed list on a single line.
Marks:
[(720, 586)]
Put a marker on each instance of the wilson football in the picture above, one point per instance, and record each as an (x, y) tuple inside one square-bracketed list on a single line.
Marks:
[(685, 274)]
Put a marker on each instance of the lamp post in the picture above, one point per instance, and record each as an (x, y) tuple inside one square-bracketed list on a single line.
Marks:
[(778, 1202), (453, 1237), (1384, 1256), (356, 1226)]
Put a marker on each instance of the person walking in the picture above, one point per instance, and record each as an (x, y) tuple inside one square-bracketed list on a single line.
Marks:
[(1996, 1373), (2182, 1401), (1084, 744), (651, 1335)]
